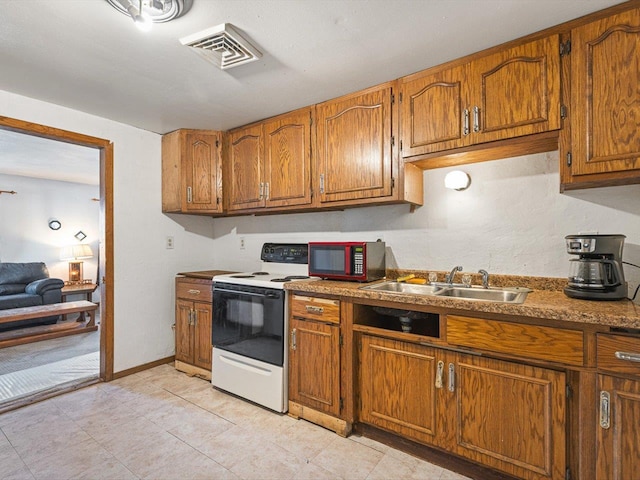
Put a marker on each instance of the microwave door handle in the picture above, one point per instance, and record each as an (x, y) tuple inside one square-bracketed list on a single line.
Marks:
[(347, 260)]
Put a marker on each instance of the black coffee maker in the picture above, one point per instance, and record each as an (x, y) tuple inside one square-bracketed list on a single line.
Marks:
[(597, 272)]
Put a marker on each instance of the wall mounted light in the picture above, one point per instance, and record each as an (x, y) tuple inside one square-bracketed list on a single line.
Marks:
[(457, 180)]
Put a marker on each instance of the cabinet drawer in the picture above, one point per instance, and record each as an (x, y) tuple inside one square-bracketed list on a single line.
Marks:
[(322, 309), (530, 341), (191, 289), (618, 353)]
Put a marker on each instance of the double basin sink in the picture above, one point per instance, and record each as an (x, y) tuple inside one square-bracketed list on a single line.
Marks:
[(490, 294)]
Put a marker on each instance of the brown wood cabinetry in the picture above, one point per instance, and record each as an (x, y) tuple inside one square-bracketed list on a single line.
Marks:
[(509, 416), (398, 388), (618, 445), (192, 172), (508, 94), (269, 164), (314, 362), (193, 326), (356, 154), (604, 144)]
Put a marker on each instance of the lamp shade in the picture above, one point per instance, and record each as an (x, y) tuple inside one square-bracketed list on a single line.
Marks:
[(74, 252)]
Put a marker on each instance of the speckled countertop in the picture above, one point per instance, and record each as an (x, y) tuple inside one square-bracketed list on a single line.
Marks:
[(547, 301)]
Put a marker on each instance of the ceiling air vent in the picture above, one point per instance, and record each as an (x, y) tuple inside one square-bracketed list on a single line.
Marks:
[(223, 46)]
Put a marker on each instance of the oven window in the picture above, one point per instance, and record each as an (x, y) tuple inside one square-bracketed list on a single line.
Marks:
[(327, 260), (250, 323)]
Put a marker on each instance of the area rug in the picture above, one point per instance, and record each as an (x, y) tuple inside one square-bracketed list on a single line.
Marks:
[(38, 379)]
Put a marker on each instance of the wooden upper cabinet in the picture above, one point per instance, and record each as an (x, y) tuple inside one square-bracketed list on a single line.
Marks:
[(516, 92), (354, 136), (511, 93), (269, 163), (433, 112), (287, 171), (605, 97), (245, 163), (192, 172)]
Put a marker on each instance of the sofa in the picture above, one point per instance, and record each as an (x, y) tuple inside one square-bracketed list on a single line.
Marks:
[(26, 285)]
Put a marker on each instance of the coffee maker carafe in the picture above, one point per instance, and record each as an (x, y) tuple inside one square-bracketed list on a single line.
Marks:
[(597, 272)]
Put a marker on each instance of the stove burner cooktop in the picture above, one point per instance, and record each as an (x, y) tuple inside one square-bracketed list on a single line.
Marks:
[(291, 277), (243, 276)]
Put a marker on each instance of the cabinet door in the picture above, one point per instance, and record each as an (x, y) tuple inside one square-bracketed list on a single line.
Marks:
[(517, 91), (184, 337), (202, 173), (434, 112), (398, 388), (511, 417), (314, 365), (287, 172), (618, 442), (605, 98), (202, 347), (354, 147), (246, 187)]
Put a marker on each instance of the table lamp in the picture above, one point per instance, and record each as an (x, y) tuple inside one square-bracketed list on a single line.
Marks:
[(74, 253)]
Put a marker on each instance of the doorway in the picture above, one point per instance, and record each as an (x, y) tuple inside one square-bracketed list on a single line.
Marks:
[(105, 251)]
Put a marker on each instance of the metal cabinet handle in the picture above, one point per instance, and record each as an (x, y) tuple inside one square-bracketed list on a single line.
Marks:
[(189, 195), (195, 318), (439, 374), (314, 309), (631, 357), (266, 191), (293, 339), (190, 319), (452, 378), (261, 192), (476, 119), (322, 183), (193, 292), (465, 122), (605, 409)]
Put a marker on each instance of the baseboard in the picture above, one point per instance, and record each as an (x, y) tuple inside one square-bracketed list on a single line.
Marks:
[(146, 366)]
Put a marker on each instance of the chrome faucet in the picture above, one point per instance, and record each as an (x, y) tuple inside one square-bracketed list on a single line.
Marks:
[(485, 278), (449, 277)]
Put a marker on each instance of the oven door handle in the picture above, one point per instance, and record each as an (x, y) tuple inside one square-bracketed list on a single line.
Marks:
[(250, 294)]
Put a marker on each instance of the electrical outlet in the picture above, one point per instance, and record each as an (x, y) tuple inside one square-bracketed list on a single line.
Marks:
[(169, 243), (241, 243)]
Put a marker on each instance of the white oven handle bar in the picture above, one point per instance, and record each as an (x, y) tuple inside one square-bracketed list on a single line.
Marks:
[(245, 366)]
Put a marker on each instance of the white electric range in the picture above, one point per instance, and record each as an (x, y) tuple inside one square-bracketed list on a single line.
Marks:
[(250, 326)]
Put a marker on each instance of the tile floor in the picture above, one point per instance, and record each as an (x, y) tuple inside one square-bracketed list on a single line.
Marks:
[(163, 424)]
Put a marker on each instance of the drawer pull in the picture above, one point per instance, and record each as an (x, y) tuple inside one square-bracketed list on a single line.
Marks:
[(194, 292), (293, 339), (632, 357), (314, 309), (605, 409)]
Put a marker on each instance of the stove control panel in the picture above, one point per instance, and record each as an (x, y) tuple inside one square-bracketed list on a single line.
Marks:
[(285, 253)]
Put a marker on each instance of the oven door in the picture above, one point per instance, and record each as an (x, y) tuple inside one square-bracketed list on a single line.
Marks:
[(249, 321)]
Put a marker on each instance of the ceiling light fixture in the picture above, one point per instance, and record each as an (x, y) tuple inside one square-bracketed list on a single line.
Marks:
[(147, 12), (457, 180)]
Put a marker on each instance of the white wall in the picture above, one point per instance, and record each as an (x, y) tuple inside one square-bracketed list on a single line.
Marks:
[(25, 234), (144, 269), (511, 220)]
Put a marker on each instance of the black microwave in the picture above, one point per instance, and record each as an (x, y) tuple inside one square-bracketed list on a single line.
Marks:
[(357, 261)]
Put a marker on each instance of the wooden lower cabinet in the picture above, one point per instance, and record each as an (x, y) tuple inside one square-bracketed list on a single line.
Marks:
[(504, 415), (398, 390), (510, 416), (618, 434), (315, 363), (193, 326)]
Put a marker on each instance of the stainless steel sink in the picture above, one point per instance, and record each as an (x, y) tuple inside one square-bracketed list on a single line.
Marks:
[(492, 294), (400, 287), (505, 295)]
